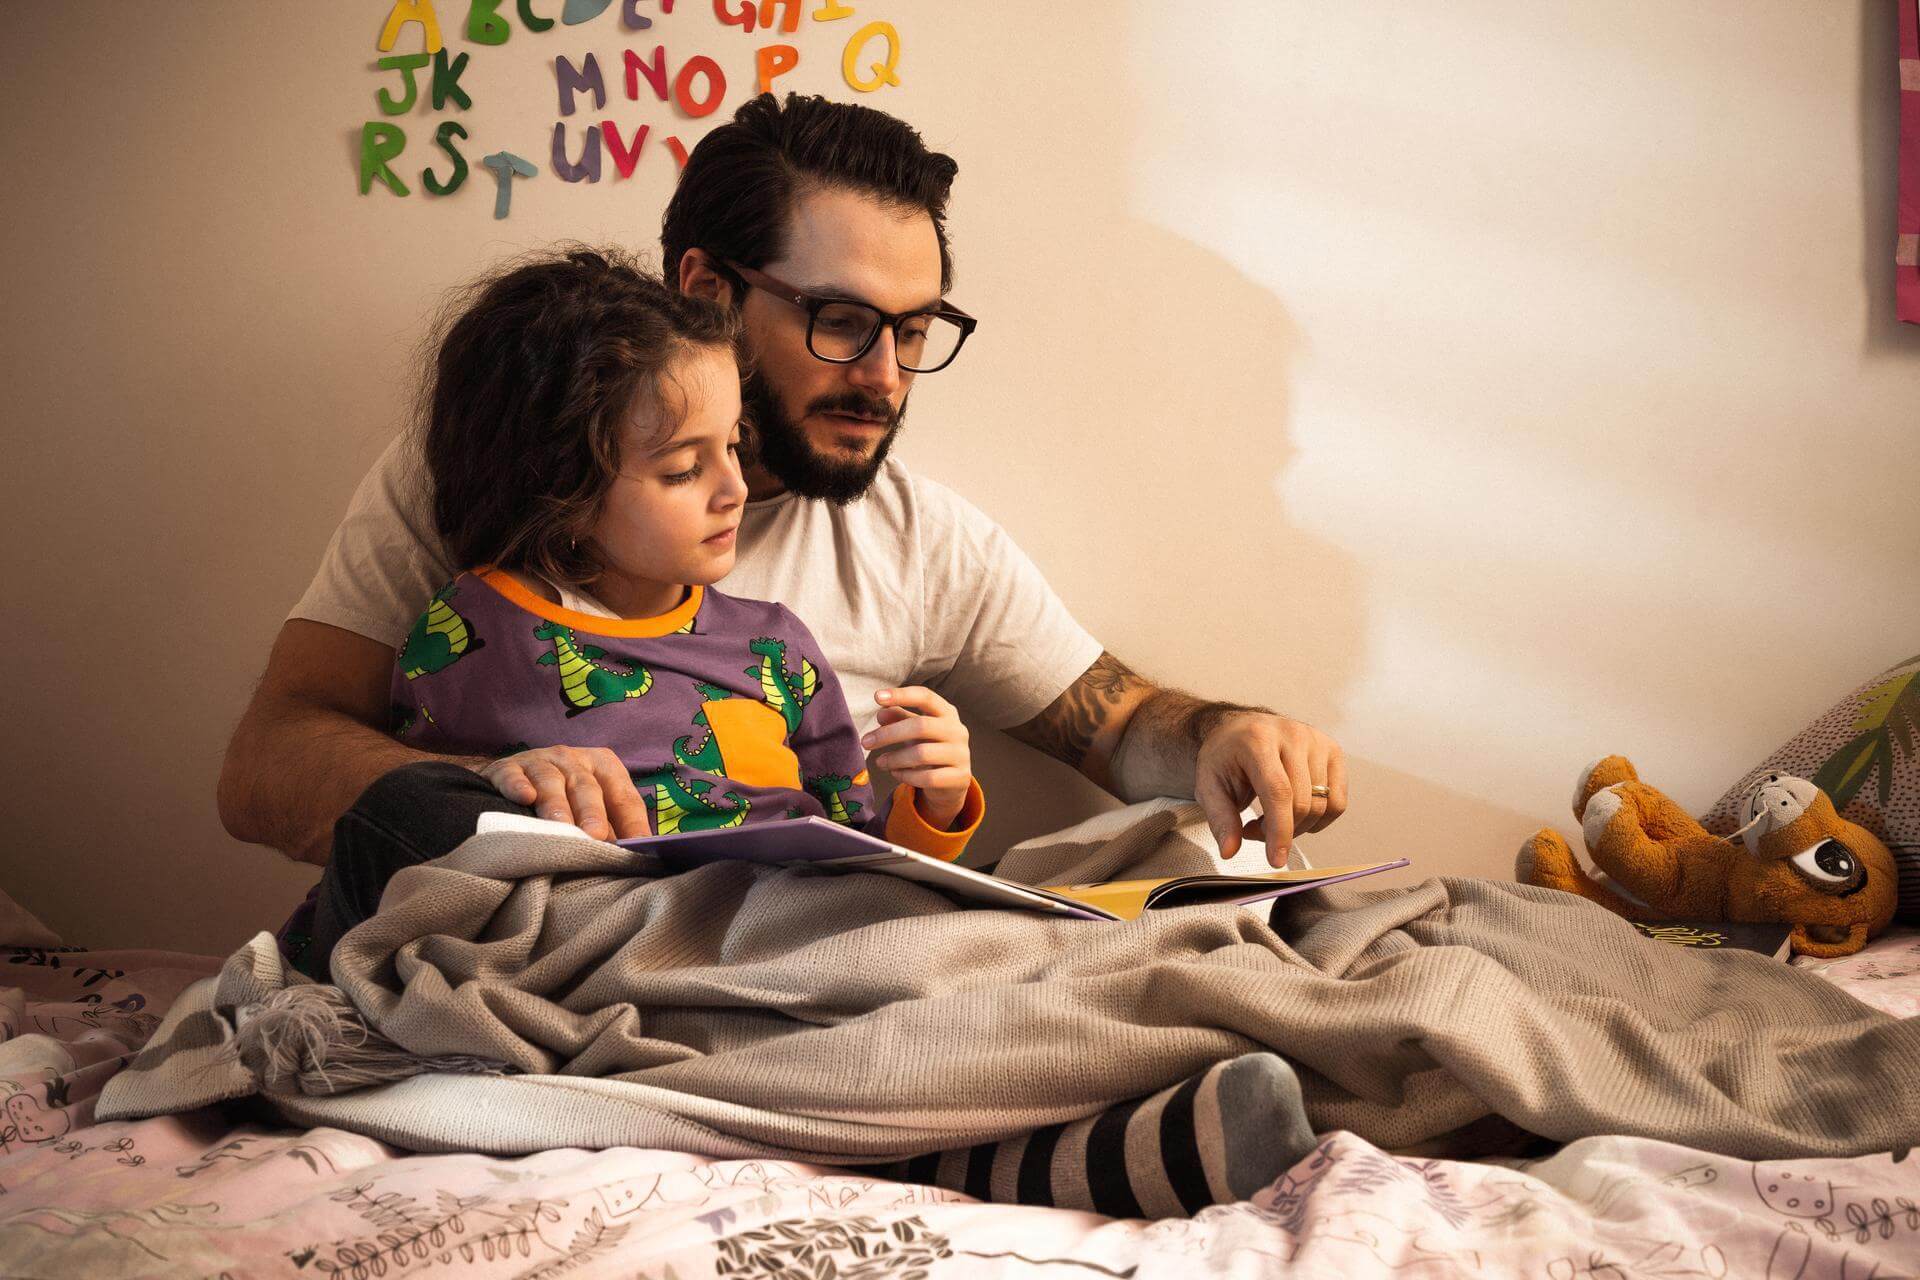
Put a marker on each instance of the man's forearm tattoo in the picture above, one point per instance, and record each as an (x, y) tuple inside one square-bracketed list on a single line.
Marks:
[(1067, 728)]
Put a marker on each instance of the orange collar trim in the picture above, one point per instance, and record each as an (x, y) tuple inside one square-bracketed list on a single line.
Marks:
[(592, 624)]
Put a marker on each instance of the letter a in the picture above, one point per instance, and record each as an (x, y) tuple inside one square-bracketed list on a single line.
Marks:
[(405, 11)]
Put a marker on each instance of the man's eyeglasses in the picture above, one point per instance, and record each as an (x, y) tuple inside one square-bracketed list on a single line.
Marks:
[(840, 332)]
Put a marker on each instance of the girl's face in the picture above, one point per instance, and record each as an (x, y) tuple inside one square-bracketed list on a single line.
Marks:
[(669, 518)]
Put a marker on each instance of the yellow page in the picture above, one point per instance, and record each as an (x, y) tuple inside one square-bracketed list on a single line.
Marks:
[(1124, 898), (1128, 898)]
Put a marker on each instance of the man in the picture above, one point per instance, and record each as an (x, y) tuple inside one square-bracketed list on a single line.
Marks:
[(824, 224)]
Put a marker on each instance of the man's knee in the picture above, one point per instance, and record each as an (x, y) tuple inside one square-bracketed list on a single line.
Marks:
[(400, 794), (425, 808)]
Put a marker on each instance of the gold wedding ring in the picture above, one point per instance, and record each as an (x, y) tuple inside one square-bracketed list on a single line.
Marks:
[(1321, 790)]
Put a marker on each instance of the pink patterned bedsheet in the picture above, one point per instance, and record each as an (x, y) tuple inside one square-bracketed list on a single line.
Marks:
[(207, 1195)]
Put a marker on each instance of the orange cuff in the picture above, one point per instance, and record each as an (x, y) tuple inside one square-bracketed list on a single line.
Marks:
[(908, 828)]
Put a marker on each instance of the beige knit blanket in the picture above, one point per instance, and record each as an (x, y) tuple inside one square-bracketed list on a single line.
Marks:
[(739, 1010)]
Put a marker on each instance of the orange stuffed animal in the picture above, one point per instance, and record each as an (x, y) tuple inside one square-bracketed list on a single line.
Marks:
[(1801, 863)]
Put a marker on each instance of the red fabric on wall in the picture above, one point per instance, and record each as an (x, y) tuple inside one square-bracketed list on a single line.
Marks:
[(1907, 252)]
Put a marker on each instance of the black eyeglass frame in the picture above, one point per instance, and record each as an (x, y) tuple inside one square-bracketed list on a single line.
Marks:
[(812, 304)]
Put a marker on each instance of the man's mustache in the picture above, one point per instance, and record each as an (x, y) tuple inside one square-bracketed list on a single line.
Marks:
[(854, 405)]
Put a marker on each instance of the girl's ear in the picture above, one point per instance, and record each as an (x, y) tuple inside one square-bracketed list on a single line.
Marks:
[(702, 277)]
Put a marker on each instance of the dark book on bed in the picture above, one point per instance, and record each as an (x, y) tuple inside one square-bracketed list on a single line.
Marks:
[(830, 847), (1721, 935)]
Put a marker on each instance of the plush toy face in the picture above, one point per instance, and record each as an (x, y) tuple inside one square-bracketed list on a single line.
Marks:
[(1815, 868)]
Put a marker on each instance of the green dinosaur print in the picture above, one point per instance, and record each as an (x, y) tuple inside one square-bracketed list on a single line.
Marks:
[(584, 686), (405, 718), (786, 692), (439, 639), (828, 789), (681, 804), (708, 757)]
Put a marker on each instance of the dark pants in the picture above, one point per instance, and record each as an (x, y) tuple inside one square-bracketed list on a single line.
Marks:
[(414, 814)]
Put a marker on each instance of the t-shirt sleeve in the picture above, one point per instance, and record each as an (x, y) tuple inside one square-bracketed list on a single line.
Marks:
[(833, 765), (385, 560), (999, 642)]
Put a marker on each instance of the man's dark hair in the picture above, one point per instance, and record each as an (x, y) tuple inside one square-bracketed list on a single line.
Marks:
[(739, 185), (522, 413)]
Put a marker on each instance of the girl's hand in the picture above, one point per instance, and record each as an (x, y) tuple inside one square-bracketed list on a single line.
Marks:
[(922, 743), (587, 786)]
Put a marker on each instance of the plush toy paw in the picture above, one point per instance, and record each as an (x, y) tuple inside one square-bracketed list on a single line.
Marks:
[(1547, 860), (1601, 774)]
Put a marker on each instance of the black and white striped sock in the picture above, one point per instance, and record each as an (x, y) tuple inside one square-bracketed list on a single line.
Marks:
[(1216, 1138)]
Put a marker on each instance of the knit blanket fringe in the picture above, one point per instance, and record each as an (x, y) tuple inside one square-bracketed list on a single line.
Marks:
[(311, 1038)]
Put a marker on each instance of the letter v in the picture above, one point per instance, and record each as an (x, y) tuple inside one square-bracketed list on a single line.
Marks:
[(623, 157)]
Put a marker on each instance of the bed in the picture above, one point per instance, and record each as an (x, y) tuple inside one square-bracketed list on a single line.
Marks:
[(224, 1191)]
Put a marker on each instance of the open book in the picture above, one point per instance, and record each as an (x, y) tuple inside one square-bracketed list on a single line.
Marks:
[(1774, 940), (830, 847)]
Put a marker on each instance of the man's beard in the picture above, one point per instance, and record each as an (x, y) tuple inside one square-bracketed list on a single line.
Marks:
[(781, 446)]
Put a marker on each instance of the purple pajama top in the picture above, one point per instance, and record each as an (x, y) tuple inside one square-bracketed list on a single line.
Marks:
[(724, 709)]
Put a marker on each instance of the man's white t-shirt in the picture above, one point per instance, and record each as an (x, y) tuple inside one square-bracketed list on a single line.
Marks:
[(909, 584)]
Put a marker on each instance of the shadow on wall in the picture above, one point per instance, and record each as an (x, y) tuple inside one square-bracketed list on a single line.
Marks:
[(1133, 390), (1129, 391)]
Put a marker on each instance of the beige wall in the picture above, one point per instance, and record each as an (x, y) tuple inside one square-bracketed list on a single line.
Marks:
[(1494, 384)]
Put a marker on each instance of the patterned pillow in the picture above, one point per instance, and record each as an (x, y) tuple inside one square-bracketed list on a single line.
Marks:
[(1865, 753)]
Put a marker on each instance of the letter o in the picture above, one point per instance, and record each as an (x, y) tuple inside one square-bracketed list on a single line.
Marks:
[(700, 65)]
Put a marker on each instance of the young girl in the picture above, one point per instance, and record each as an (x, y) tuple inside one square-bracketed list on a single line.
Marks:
[(581, 436)]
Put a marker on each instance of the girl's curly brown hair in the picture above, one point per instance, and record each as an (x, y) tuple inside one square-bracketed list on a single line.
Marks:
[(521, 415)]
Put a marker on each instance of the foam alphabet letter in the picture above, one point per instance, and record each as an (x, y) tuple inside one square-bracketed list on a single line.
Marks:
[(405, 11), (443, 138), (531, 20), (505, 164), (446, 80), (484, 23), (789, 14), (830, 10), (571, 82), (624, 156), (656, 74), (679, 150), (588, 170), (883, 72), (633, 20), (773, 61), (406, 64), (380, 142), (579, 11), (700, 65), (742, 18)]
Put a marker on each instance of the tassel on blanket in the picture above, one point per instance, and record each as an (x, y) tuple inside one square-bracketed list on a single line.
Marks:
[(312, 1038)]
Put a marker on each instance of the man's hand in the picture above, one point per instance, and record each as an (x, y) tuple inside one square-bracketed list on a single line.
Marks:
[(922, 743), (1139, 740), (1257, 754), (587, 786)]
